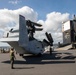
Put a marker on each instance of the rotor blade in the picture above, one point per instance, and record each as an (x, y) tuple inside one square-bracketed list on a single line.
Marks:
[(36, 24), (49, 37), (38, 29), (30, 23), (45, 42)]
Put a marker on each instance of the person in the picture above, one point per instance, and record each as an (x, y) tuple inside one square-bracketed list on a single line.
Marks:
[(12, 57)]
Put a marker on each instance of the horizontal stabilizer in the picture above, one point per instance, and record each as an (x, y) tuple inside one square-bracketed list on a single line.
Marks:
[(9, 39)]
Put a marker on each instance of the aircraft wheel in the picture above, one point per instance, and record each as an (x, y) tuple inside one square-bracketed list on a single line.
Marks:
[(39, 54), (21, 55)]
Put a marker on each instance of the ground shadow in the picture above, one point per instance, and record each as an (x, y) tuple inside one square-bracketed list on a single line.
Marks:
[(24, 67), (55, 58)]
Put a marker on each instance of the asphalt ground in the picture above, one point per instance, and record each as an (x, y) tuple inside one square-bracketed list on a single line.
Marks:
[(59, 63)]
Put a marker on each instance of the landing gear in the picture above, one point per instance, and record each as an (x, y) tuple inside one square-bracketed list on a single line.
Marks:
[(39, 54), (50, 51), (21, 55)]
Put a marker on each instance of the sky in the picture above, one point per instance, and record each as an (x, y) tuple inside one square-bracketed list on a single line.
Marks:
[(49, 13)]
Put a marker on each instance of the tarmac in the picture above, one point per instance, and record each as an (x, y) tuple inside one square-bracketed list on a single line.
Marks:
[(61, 62)]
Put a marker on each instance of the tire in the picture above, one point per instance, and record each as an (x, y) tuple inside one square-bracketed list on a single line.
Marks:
[(21, 55), (39, 54)]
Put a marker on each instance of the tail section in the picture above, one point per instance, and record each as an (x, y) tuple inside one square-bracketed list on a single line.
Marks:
[(23, 34)]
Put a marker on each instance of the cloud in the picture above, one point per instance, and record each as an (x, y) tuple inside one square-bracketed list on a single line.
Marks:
[(52, 24), (10, 18), (1, 32), (14, 2)]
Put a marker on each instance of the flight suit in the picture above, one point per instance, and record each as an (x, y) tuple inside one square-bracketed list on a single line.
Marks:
[(12, 56)]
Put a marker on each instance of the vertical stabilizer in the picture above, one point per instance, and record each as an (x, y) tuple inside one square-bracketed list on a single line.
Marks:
[(23, 35)]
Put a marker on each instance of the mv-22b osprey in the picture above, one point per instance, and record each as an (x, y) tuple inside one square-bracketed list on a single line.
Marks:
[(22, 39)]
